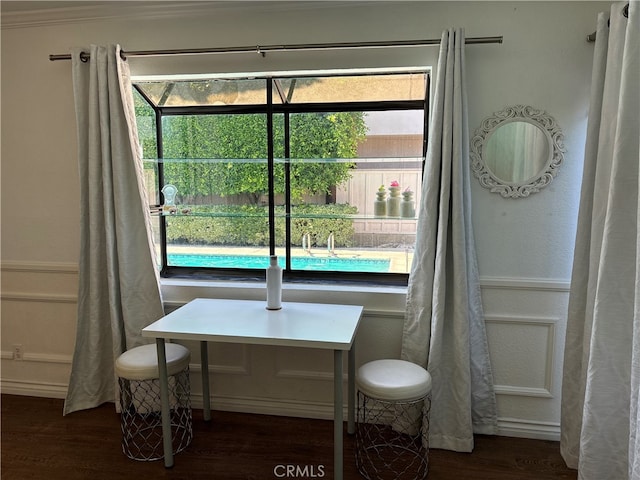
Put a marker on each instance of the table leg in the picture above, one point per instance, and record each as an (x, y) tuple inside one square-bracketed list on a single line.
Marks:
[(204, 365), (337, 415), (164, 403), (351, 393)]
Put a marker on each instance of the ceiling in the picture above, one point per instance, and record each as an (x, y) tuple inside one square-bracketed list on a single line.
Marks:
[(18, 13), (25, 6), (15, 6)]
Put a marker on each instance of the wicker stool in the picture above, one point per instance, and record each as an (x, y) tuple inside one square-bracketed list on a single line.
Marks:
[(141, 418), (392, 435)]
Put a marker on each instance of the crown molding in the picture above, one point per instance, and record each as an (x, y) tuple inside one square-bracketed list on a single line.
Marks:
[(84, 12), (38, 14)]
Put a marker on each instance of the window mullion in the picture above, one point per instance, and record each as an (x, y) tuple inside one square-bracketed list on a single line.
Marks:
[(163, 220), (287, 186), (270, 168), (425, 133)]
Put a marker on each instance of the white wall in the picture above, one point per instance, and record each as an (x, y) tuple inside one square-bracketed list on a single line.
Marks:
[(524, 246)]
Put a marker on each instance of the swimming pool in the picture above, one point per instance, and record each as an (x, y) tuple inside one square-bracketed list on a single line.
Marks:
[(335, 264)]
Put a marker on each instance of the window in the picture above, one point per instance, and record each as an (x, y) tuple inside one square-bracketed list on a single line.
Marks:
[(323, 170)]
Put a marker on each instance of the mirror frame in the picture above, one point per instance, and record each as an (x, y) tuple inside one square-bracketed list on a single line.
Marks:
[(517, 113)]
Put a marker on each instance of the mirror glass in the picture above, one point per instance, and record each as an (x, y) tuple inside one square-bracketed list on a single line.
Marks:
[(516, 151)]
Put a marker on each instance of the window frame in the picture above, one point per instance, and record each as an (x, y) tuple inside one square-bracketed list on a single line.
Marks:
[(285, 108)]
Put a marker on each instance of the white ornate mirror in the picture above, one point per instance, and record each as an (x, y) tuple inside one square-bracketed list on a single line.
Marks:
[(517, 151)]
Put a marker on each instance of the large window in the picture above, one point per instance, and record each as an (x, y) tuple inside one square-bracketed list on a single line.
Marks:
[(323, 170)]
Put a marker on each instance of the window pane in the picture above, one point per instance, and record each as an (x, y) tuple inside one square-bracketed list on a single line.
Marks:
[(205, 92), (146, 125), (334, 190), (357, 88), (218, 165)]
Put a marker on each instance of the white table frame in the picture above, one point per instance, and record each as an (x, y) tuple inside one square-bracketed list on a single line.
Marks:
[(311, 325)]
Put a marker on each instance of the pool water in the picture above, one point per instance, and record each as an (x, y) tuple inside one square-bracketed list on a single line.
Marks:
[(336, 264)]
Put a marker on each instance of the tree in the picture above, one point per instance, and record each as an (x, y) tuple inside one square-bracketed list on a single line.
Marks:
[(231, 150)]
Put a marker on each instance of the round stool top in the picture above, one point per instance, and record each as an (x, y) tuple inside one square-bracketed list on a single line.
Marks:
[(141, 363), (393, 380)]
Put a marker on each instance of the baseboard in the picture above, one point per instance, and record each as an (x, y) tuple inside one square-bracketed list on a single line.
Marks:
[(517, 427), (507, 427), (33, 389)]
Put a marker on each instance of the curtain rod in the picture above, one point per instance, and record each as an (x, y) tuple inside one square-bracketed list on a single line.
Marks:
[(262, 50)]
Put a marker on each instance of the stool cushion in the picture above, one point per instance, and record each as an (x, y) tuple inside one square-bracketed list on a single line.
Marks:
[(141, 363), (393, 380)]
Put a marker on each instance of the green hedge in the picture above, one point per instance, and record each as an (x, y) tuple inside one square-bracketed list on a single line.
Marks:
[(248, 225)]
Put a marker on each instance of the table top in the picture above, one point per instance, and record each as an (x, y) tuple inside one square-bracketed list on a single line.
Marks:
[(314, 325)]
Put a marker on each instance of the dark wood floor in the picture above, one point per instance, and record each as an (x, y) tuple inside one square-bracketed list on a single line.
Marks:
[(39, 443)]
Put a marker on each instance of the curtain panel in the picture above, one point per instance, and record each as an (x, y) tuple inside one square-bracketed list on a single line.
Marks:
[(118, 291), (600, 422), (444, 327)]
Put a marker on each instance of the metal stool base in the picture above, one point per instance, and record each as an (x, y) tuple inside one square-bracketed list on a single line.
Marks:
[(141, 418), (392, 438)]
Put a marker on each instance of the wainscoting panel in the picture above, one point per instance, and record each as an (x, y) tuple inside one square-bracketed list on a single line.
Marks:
[(523, 353), (39, 311), (525, 321)]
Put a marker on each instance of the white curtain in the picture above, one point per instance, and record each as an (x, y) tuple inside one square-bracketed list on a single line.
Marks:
[(600, 428), (118, 280), (444, 327)]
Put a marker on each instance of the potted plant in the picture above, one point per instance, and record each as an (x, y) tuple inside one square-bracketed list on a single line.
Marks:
[(380, 203), (393, 202), (407, 205)]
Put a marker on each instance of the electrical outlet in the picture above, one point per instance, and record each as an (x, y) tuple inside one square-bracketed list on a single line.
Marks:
[(18, 352)]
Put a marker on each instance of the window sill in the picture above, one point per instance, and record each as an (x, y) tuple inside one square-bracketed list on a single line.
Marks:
[(177, 292)]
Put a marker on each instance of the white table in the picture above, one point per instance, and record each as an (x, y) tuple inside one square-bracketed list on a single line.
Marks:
[(311, 325)]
